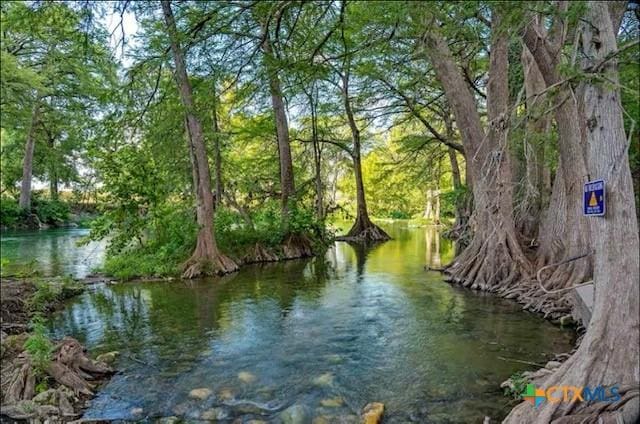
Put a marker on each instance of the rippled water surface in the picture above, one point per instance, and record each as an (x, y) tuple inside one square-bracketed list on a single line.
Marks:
[(328, 334)]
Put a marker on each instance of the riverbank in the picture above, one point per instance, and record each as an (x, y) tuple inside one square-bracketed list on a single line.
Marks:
[(43, 379)]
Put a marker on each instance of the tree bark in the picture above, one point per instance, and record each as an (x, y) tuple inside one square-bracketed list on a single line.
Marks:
[(534, 196), (564, 232), (493, 261), (27, 165), (609, 353), (217, 150), (287, 185), (317, 158), (363, 229), (206, 258)]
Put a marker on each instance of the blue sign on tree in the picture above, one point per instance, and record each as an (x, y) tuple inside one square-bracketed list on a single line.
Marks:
[(594, 198)]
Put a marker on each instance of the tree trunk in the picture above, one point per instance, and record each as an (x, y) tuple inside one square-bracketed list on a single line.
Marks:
[(27, 165), (206, 258), (363, 229), (609, 353), (534, 196), (317, 157), (287, 185), (493, 260), (564, 232), (217, 150)]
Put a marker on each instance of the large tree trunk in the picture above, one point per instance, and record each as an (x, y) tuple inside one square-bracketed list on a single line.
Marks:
[(206, 258), (287, 185), (534, 194), (27, 165), (363, 229), (494, 260), (609, 353), (564, 232)]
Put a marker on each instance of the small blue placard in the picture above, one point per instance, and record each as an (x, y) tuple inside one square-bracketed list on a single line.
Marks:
[(594, 198)]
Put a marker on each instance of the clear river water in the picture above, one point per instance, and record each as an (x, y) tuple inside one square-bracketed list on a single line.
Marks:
[(326, 335)]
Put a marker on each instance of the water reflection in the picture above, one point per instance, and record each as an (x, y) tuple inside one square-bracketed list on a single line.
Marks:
[(51, 252), (359, 324)]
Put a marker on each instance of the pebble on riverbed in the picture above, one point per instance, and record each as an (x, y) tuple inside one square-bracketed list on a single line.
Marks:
[(372, 413), (246, 377), (201, 393), (335, 402), (325, 379), (296, 414)]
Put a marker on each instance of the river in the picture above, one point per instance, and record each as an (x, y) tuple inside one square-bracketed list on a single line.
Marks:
[(328, 334)]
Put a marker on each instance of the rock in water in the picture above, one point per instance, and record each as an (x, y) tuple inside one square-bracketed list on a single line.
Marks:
[(246, 377), (201, 393), (325, 379), (226, 394), (296, 414), (215, 414), (372, 413), (108, 358), (335, 402)]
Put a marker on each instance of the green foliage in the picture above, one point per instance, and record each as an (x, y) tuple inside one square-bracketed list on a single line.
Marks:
[(517, 386), (10, 212), (235, 234), (166, 238), (39, 346), (51, 211), (49, 291), (449, 199)]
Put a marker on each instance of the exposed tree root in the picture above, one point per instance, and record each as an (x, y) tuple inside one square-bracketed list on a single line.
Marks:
[(74, 372), (259, 253), (203, 263), (493, 263), (297, 245), (364, 231)]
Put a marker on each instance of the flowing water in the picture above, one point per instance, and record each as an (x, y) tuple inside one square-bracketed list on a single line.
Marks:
[(327, 335)]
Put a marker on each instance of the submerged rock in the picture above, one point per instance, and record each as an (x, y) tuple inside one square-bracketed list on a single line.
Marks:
[(325, 379), (226, 394), (372, 413), (215, 414), (108, 358), (296, 414), (335, 402), (322, 419), (334, 358), (201, 393), (246, 377), (136, 411)]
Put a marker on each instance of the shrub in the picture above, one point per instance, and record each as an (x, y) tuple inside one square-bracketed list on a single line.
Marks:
[(39, 346), (51, 211), (10, 212)]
